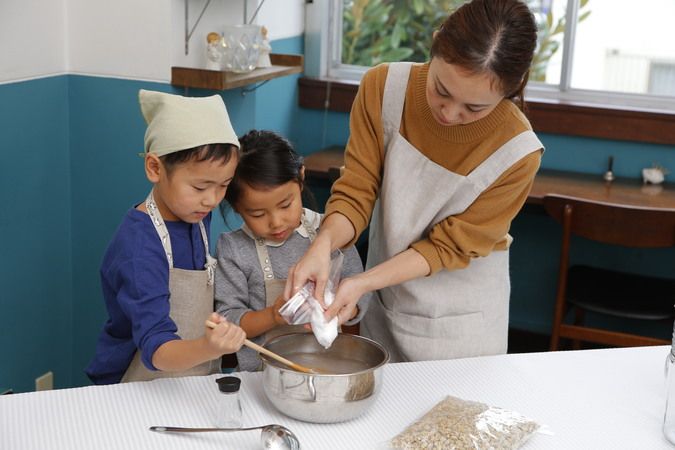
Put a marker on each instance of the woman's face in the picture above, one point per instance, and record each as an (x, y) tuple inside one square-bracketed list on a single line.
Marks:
[(457, 97)]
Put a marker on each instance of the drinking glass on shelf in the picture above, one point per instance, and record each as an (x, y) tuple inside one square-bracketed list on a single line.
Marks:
[(241, 47)]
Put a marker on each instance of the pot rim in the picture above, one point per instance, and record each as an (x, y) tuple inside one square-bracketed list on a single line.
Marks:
[(268, 361)]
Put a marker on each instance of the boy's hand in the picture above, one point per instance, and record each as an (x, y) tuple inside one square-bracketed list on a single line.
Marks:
[(226, 337), (278, 303)]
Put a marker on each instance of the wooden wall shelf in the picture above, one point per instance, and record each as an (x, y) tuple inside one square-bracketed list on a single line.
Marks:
[(282, 65)]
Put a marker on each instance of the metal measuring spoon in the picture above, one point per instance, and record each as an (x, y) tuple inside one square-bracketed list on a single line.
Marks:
[(272, 436)]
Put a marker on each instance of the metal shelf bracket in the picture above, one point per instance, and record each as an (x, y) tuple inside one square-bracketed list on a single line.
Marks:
[(188, 30)]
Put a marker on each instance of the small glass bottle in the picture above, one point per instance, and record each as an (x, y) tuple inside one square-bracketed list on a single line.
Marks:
[(229, 413), (669, 416)]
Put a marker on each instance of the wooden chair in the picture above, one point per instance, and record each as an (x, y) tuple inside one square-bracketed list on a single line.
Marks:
[(585, 288)]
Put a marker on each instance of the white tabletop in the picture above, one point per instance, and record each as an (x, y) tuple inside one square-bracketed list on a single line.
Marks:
[(594, 399)]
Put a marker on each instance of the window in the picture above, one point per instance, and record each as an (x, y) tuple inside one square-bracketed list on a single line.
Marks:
[(603, 52)]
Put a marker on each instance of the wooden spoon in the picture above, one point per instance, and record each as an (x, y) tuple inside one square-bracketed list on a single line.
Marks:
[(264, 351)]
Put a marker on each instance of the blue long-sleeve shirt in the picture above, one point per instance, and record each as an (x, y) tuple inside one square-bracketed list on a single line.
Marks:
[(135, 284)]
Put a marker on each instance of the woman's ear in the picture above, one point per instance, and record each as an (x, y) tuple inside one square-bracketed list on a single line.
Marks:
[(153, 167), (302, 177)]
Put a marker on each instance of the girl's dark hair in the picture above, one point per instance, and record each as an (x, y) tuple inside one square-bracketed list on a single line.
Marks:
[(493, 36), (266, 160), (215, 152)]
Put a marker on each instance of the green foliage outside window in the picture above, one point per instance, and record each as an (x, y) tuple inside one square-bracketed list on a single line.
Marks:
[(376, 31)]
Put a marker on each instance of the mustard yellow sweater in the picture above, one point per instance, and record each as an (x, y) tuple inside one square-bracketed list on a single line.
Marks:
[(484, 226)]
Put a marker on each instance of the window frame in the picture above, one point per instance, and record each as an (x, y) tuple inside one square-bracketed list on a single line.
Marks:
[(329, 32)]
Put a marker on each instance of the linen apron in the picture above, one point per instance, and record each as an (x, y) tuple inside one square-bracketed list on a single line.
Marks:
[(274, 287), (190, 301), (451, 314)]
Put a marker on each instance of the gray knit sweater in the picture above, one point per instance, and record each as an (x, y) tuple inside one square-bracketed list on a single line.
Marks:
[(240, 287)]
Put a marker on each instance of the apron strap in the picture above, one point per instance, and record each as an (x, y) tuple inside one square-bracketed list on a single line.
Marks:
[(210, 264), (506, 156), (165, 238), (160, 227), (263, 254), (394, 99)]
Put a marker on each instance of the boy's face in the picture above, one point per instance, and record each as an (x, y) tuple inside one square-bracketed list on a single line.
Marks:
[(192, 189), (272, 213)]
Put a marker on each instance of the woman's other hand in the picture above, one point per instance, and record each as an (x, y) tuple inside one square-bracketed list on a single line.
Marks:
[(347, 296)]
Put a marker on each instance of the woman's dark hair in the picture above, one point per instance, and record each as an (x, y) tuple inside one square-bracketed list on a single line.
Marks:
[(215, 152), (266, 160), (491, 36)]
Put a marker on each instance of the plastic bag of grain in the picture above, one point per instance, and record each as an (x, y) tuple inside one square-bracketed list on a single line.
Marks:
[(456, 424)]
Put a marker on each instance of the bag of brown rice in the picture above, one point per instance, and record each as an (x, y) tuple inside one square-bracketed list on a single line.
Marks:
[(459, 424)]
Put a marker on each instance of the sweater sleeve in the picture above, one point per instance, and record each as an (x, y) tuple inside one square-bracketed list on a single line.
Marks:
[(143, 296), (483, 227), (355, 192), (231, 285)]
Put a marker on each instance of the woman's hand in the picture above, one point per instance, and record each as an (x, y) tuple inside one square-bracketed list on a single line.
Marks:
[(336, 231), (313, 266), (347, 296), (226, 337)]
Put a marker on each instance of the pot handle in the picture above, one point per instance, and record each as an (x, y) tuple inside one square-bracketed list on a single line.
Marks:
[(312, 388)]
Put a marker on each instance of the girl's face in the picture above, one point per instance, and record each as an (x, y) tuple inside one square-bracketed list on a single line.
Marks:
[(192, 189), (457, 97), (271, 213)]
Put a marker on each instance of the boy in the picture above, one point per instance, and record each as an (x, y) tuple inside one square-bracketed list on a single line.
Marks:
[(157, 274)]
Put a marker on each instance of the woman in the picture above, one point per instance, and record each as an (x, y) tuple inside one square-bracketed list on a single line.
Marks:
[(440, 160)]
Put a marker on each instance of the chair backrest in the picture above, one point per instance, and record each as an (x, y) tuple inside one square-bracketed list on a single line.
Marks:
[(630, 226)]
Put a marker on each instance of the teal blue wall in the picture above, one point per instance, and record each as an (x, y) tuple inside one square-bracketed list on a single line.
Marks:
[(70, 171), (68, 175), (35, 268)]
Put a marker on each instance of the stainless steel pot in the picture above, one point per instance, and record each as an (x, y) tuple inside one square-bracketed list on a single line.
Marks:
[(349, 383)]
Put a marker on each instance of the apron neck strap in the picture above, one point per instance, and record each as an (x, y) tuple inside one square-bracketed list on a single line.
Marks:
[(165, 238), (264, 256), (395, 88)]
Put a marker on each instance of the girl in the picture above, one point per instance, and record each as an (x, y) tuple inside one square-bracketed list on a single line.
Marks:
[(440, 160), (253, 261)]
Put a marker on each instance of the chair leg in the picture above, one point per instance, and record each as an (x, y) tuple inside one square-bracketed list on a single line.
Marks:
[(578, 320), (555, 329)]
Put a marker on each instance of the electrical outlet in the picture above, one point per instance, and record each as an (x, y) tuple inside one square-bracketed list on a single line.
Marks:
[(45, 382)]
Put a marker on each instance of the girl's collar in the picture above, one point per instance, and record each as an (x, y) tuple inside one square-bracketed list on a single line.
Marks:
[(312, 218)]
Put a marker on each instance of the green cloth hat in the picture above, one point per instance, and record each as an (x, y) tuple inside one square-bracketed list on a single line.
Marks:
[(178, 123)]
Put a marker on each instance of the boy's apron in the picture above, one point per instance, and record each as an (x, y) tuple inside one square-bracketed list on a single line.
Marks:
[(450, 314), (190, 301)]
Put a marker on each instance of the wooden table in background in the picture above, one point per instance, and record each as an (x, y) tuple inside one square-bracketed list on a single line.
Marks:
[(325, 165)]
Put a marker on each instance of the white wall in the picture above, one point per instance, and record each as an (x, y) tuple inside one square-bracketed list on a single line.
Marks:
[(32, 39), (122, 38)]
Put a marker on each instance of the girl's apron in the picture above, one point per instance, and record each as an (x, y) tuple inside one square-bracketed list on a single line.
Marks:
[(190, 301), (274, 287), (451, 314)]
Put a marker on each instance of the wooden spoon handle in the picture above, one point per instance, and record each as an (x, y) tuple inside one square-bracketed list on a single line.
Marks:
[(279, 358), (271, 354)]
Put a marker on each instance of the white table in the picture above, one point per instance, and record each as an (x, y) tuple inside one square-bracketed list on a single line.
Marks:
[(594, 399)]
